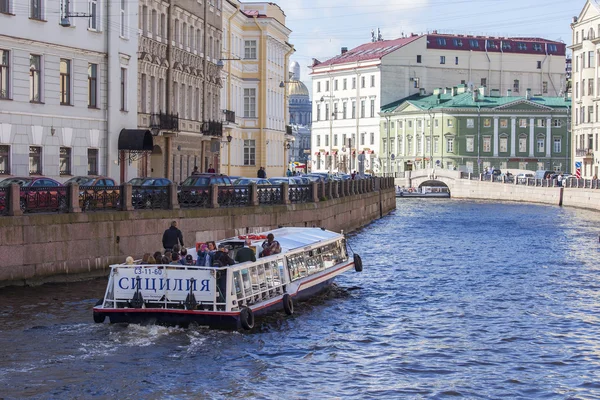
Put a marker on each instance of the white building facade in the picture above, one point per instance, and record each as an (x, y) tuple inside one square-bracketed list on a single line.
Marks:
[(60, 115), (350, 89), (585, 89)]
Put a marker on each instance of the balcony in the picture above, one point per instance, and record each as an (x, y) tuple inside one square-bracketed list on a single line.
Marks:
[(229, 116), (585, 153), (212, 128), (164, 122)]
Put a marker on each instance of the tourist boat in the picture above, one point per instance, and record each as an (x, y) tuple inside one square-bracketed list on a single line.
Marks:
[(228, 297), (424, 192)]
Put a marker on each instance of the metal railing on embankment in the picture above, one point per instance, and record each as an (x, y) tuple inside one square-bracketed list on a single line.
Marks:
[(572, 183), (73, 198)]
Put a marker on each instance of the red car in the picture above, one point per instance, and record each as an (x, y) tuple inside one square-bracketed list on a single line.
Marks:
[(38, 193)]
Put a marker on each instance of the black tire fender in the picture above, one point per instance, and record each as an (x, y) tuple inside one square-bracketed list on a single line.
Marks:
[(288, 304), (247, 318), (358, 263)]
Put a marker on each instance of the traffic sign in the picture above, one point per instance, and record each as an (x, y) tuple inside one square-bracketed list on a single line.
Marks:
[(578, 164)]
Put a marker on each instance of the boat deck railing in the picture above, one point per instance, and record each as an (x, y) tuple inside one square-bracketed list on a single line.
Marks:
[(257, 281)]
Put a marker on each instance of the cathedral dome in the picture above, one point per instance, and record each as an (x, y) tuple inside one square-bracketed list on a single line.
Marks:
[(297, 88)]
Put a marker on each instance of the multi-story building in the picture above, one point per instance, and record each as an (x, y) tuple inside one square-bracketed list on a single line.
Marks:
[(255, 61), (179, 85), (60, 114), (350, 88), (300, 109), (586, 90), (469, 131)]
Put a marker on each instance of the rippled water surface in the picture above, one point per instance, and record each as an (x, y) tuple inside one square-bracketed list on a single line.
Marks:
[(457, 299)]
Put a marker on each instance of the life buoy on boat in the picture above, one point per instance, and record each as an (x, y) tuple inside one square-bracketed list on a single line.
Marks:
[(357, 263), (247, 318), (288, 304), (99, 317)]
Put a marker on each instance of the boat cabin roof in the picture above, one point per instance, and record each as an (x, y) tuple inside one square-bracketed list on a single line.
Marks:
[(288, 238)]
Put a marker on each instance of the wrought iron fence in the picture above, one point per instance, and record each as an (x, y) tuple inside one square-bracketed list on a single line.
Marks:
[(233, 196), (99, 198), (4, 193), (269, 194), (193, 197), (150, 197), (300, 193), (44, 199)]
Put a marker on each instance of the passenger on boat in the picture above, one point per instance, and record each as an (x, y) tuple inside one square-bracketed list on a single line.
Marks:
[(204, 257), (222, 258), (189, 260), (129, 260), (176, 249), (172, 236), (165, 260), (245, 254), (157, 255), (175, 259), (270, 246), (145, 259), (151, 260), (183, 254)]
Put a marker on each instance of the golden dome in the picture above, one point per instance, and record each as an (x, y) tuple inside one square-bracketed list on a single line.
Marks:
[(297, 88)]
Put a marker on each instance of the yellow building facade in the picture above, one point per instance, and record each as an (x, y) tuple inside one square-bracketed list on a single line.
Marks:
[(255, 61)]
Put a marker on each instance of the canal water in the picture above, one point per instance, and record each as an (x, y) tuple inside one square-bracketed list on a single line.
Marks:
[(457, 299)]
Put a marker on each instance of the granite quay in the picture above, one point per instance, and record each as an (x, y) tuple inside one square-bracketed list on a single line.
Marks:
[(76, 244)]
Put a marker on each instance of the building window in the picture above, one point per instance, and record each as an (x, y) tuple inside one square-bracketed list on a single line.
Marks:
[(93, 85), (419, 124), (249, 152), (353, 109), (372, 108), (250, 49), (540, 144), (335, 111), (326, 112), (557, 145), (249, 103), (92, 161), (544, 87), (362, 82), (487, 144), (123, 19), (450, 145), (541, 123), (143, 89), (442, 59), (5, 6), (65, 161), (372, 80), (362, 139), (65, 82), (419, 59), (539, 65), (353, 83), (590, 87), (372, 142), (503, 123), (487, 122), (345, 110), (335, 85), (522, 144), (470, 123), (4, 160), (318, 87), (450, 123), (470, 144), (35, 9), (123, 94), (318, 140), (504, 144), (35, 78), (345, 84), (436, 145), (4, 74), (556, 123), (516, 86), (93, 15), (35, 160), (591, 59), (327, 85), (455, 60), (362, 108), (523, 123), (318, 112), (335, 140)]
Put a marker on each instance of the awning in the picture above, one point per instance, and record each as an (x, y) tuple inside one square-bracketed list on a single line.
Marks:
[(136, 140)]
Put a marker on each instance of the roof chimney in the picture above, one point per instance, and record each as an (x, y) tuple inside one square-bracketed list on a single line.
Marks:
[(475, 95), (344, 50), (508, 93), (528, 94), (482, 91), (422, 92), (454, 91), (495, 93)]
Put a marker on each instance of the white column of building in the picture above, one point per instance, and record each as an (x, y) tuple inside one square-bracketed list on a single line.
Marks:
[(495, 136), (415, 151), (548, 137), (513, 136), (403, 138), (532, 143)]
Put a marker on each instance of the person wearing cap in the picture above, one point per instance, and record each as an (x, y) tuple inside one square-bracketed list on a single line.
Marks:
[(222, 258), (189, 260), (245, 254)]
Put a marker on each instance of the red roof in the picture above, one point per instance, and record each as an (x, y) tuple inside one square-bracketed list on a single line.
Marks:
[(369, 51), (495, 44)]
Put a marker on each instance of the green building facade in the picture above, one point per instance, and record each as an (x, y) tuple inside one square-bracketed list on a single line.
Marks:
[(469, 131)]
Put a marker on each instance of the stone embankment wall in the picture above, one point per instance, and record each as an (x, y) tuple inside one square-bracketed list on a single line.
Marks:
[(60, 247), (479, 190)]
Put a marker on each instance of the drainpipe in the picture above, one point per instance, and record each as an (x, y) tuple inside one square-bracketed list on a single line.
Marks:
[(262, 90), (489, 63), (169, 86), (501, 64), (109, 112), (286, 107), (478, 137), (357, 104), (237, 10), (542, 71)]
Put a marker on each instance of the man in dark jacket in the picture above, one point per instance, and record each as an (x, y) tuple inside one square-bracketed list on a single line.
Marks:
[(261, 173), (172, 236), (222, 258), (246, 253)]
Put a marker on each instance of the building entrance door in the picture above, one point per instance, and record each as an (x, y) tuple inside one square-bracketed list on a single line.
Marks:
[(157, 163)]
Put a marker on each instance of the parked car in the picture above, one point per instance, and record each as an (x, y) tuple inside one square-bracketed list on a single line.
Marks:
[(314, 178), (206, 180), (541, 174), (290, 180), (248, 181), (97, 192), (37, 193), (149, 192), (195, 190), (522, 178)]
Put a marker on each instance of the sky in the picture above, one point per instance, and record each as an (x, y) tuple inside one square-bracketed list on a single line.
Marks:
[(320, 28)]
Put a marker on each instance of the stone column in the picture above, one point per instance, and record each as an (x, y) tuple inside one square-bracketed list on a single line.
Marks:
[(73, 198), (548, 137), (14, 200), (315, 191), (513, 136), (496, 142), (330, 190), (336, 189), (285, 193), (126, 193), (172, 196), (253, 189), (532, 137), (214, 196)]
